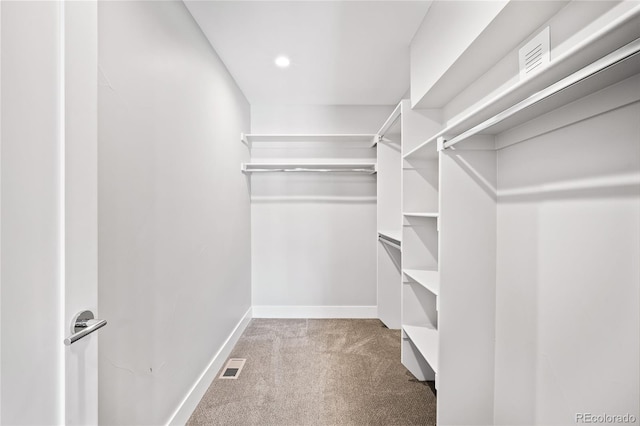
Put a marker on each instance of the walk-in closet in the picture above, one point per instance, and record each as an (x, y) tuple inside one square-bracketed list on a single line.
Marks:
[(292, 213)]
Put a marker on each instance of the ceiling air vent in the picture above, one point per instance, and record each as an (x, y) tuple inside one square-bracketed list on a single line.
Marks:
[(534, 56)]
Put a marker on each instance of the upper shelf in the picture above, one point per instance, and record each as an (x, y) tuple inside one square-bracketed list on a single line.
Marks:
[(368, 140), (577, 69), (615, 67), (369, 168)]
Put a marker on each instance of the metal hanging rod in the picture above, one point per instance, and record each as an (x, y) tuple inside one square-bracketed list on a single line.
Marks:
[(313, 168), (300, 169), (389, 241)]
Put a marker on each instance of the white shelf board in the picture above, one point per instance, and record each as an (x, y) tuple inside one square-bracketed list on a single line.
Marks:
[(428, 279), (361, 138), (309, 167), (425, 338), (421, 214), (563, 66), (391, 120)]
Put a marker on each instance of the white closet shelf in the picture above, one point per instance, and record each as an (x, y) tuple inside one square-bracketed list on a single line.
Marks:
[(613, 68), (369, 168), (428, 279), (564, 80), (425, 338), (421, 214), (360, 138)]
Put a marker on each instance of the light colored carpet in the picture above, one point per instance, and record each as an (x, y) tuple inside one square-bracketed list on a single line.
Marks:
[(318, 372)]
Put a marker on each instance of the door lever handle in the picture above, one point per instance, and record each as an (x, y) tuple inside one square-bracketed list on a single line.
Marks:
[(83, 325)]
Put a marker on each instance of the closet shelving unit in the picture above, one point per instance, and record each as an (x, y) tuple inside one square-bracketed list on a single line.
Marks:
[(389, 250), (420, 275), (456, 340)]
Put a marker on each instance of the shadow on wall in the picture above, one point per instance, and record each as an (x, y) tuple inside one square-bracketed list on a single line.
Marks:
[(314, 188)]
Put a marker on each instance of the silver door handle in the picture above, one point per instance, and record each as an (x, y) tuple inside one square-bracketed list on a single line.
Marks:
[(83, 325)]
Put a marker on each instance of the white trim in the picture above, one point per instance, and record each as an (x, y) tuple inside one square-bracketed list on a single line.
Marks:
[(315, 311), (191, 400), (62, 217), (391, 120), (0, 207)]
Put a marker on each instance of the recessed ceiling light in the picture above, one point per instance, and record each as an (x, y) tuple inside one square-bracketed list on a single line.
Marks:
[(282, 61)]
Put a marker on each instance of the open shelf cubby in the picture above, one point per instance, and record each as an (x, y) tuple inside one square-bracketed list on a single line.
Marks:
[(427, 279), (425, 339)]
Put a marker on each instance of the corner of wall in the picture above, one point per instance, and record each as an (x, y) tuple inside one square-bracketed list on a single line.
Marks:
[(187, 406)]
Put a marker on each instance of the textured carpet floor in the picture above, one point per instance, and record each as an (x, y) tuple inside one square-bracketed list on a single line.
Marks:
[(318, 372)]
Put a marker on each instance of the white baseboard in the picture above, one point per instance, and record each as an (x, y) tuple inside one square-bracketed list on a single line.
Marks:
[(197, 391), (315, 311)]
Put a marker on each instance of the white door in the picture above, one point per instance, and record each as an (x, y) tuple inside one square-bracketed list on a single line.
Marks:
[(48, 211)]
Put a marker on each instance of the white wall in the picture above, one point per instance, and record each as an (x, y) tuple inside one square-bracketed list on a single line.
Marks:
[(174, 212), (448, 29), (32, 384), (314, 236), (568, 277)]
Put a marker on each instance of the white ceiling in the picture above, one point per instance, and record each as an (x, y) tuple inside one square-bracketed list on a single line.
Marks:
[(342, 52)]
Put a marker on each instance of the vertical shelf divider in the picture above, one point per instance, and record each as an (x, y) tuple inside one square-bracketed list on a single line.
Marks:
[(420, 277), (389, 207)]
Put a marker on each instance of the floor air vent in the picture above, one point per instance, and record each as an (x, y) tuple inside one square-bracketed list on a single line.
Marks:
[(233, 368)]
